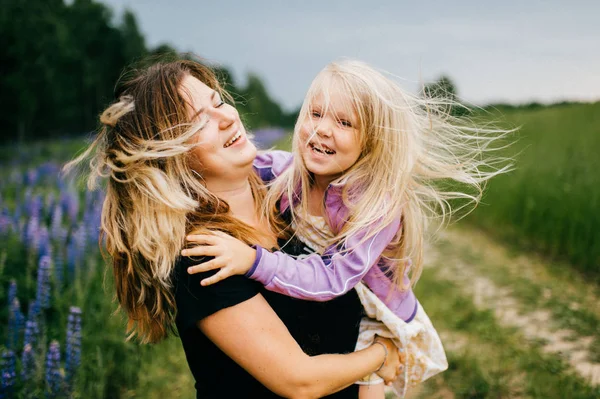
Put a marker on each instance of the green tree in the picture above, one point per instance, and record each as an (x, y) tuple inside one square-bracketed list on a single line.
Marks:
[(445, 89), (59, 64)]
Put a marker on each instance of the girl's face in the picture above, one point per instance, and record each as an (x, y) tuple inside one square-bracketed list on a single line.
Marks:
[(329, 137), (224, 151)]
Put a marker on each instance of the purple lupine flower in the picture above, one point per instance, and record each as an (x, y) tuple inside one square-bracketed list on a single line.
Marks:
[(95, 217), (9, 373), (17, 214), (49, 201), (6, 224), (70, 204), (72, 258), (54, 379), (16, 321), (45, 247), (32, 332), (79, 235), (32, 234), (73, 353), (56, 223), (43, 282), (12, 291), (27, 363), (48, 169), (31, 177), (34, 207), (265, 138), (34, 311)]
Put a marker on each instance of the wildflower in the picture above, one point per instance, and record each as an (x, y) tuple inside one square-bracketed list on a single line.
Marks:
[(12, 291), (8, 373), (34, 312), (31, 177), (27, 363), (43, 282), (45, 247), (54, 378), (34, 207), (73, 352), (56, 224), (70, 204), (16, 320), (32, 332), (32, 234)]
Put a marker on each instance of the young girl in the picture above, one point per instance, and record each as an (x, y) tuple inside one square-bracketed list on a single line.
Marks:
[(369, 167)]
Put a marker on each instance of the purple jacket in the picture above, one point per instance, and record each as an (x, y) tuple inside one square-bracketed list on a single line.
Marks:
[(327, 276)]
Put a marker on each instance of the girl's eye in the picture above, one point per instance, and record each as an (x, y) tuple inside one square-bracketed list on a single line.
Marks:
[(221, 103), (316, 114), (345, 123)]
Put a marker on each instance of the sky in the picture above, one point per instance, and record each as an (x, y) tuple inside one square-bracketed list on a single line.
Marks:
[(514, 51)]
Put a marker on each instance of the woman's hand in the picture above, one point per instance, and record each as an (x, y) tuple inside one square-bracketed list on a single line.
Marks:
[(231, 255), (392, 365)]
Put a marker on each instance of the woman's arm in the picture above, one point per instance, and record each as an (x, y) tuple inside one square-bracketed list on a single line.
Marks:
[(315, 277), (253, 336)]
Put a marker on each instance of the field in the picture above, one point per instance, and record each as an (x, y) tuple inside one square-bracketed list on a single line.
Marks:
[(550, 202), (513, 288)]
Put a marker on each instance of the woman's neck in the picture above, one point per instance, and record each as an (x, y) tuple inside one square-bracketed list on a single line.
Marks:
[(242, 205), (240, 199)]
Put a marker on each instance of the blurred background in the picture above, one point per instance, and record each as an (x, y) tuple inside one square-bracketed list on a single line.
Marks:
[(513, 288)]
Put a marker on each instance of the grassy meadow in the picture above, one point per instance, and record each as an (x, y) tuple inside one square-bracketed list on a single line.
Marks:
[(513, 288), (551, 201)]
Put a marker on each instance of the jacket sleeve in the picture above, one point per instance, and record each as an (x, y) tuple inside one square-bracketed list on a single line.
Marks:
[(321, 277), (270, 164)]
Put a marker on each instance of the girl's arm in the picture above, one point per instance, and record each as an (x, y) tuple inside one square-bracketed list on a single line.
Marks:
[(315, 277), (252, 335)]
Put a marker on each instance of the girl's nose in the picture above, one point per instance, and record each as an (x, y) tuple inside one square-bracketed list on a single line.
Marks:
[(323, 129)]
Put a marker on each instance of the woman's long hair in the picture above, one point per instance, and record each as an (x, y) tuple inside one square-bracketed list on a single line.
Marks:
[(415, 159), (153, 197)]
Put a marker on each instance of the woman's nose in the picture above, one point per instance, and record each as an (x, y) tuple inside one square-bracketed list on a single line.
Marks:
[(226, 115)]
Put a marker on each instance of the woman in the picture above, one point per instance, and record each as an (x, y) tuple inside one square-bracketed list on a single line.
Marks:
[(178, 161)]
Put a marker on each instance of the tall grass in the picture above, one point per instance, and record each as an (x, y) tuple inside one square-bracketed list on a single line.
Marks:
[(551, 202)]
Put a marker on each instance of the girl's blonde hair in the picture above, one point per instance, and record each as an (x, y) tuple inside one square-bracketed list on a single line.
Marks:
[(415, 159), (153, 196)]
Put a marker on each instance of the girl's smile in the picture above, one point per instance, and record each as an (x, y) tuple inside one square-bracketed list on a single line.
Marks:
[(329, 136)]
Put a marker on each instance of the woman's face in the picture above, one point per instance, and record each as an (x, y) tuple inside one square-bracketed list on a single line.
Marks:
[(224, 152)]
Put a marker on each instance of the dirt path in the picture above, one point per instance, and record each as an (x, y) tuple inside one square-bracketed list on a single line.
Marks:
[(474, 262)]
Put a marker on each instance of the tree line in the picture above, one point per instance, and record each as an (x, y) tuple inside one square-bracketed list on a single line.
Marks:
[(59, 63)]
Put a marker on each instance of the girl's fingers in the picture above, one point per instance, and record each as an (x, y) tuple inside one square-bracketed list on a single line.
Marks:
[(221, 234), (204, 267), (201, 250), (222, 275), (205, 239)]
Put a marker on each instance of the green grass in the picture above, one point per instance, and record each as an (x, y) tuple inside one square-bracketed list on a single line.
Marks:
[(550, 202)]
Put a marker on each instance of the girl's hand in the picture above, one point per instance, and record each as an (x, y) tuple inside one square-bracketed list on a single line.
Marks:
[(231, 255), (392, 365)]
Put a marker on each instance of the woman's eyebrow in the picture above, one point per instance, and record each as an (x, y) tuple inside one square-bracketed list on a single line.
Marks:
[(201, 109)]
